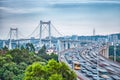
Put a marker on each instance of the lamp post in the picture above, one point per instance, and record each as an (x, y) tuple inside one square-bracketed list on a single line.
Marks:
[(97, 66), (114, 42), (114, 52)]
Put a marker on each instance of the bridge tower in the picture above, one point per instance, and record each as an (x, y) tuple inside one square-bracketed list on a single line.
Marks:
[(13, 35), (42, 23)]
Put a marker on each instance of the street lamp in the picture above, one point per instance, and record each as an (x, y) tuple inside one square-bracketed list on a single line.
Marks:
[(97, 66), (114, 52), (115, 40)]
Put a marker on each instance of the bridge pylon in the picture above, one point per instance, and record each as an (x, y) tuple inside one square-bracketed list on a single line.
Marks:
[(42, 23), (13, 36)]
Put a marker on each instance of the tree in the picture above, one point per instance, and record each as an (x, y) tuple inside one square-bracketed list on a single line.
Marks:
[(55, 77), (8, 75), (14, 62), (18, 55), (111, 53), (54, 56), (5, 48), (42, 53), (51, 71), (22, 47), (18, 77), (42, 50), (111, 50), (35, 71), (30, 47)]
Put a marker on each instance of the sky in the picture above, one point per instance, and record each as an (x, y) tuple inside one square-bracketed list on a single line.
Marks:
[(69, 17)]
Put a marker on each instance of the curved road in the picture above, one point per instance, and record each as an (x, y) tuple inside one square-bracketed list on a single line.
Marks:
[(88, 58)]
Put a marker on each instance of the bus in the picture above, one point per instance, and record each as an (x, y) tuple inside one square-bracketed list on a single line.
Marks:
[(76, 65)]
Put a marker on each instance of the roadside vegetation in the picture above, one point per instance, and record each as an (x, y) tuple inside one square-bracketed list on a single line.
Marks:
[(50, 71), (25, 64), (111, 53)]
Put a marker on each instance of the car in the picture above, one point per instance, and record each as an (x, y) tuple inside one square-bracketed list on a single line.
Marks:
[(70, 61), (94, 72), (82, 67), (102, 79), (88, 68), (82, 61), (89, 74), (83, 70), (95, 77), (106, 77), (94, 66), (115, 77)]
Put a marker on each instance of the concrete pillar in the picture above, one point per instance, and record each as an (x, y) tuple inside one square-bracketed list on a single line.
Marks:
[(10, 46), (59, 45), (72, 45), (4, 44), (107, 52), (49, 23), (66, 45), (40, 42)]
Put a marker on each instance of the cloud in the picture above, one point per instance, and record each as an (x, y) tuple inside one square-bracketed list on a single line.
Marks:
[(85, 1), (69, 16), (21, 10)]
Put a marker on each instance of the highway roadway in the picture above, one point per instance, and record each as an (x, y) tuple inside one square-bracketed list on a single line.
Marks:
[(91, 63), (69, 54)]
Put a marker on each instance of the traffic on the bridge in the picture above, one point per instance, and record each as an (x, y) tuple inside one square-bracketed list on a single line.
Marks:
[(90, 57), (89, 64)]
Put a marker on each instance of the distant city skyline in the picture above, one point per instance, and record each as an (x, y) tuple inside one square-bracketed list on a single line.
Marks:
[(71, 17)]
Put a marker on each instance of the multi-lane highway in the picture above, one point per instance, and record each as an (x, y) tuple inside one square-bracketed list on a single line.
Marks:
[(93, 66)]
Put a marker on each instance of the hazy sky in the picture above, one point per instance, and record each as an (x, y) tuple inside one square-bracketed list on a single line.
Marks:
[(77, 17)]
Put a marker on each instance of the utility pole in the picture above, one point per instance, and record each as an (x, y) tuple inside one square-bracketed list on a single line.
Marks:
[(97, 65)]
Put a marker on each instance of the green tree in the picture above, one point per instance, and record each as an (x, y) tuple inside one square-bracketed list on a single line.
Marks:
[(111, 50), (35, 72), (8, 75), (14, 62), (55, 77), (5, 48), (18, 55), (22, 47), (30, 47), (52, 71), (18, 77), (54, 56), (42, 50), (111, 53), (42, 53)]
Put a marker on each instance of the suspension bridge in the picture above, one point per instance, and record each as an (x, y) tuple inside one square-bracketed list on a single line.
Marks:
[(44, 34), (47, 34)]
